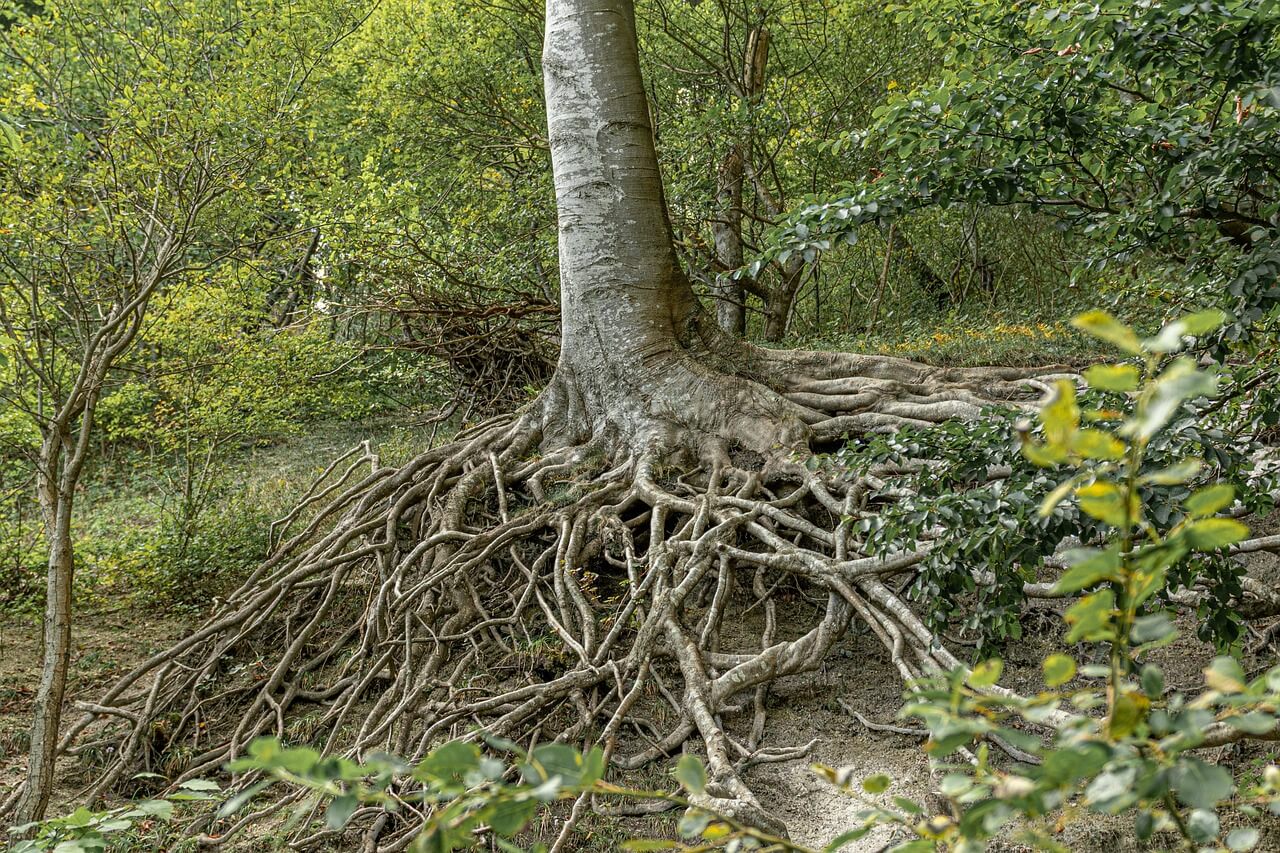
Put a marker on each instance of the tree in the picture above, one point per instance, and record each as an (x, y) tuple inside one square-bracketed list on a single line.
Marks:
[(1149, 128), (131, 136), (539, 573)]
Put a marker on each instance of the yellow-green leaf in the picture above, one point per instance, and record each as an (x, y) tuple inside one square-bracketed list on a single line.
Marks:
[(986, 673), (1209, 534), (1060, 415), (1097, 444), (1090, 617), (1210, 499), (1113, 377), (1106, 502), (1225, 675), (1102, 325), (1058, 669), (1091, 569), (1175, 474)]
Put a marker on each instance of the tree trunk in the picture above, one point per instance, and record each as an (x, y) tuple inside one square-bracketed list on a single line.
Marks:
[(726, 227), (56, 503), (726, 233), (639, 359), (777, 312)]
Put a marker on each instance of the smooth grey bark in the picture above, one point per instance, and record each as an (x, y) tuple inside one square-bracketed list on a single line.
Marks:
[(625, 301), (642, 369), (623, 294)]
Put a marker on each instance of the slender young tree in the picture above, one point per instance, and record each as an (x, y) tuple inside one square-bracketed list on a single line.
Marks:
[(130, 169)]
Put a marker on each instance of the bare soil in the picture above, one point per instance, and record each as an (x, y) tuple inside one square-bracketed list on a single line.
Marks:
[(858, 676)]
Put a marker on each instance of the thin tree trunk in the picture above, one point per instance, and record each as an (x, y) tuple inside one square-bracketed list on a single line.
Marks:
[(57, 503), (777, 313), (726, 233), (726, 225)]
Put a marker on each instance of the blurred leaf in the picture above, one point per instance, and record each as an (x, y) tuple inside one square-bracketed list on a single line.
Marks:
[(1209, 534), (1201, 785), (877, 784), (1113, 377), (986, 673), (1210, 500), (1102, 325), (1058, 669), (691, 774)]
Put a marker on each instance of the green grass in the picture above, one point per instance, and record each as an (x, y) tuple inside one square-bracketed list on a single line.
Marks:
[(964, 341)]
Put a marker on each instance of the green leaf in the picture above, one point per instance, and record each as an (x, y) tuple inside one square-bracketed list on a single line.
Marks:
[(877, 784), (1210, 500), (1201, 785), (1060, 416), (1090, 617), (1097, 444), (1204, 322), (159, 809), (1113, 377), (340, 811), (1203, 825), (986, 673), (1182, 381), (908, 806), (450, 762), (1242, 839), (241, 799), (1106, 502), (1089, 567), (690, 773), (592, 766), (1152, 628), (558, 759), (849, 837), (1210, 534), (200, 785), (1125, 716), (1225, 675), (1253, 722), (1105, 327), (955, 784), (1175, 474), (693, 822), (1060, 492), (510, 816), (644, 845), (1058, 669), (1152, 681)]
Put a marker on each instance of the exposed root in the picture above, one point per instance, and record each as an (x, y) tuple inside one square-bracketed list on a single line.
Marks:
[(539, 589)]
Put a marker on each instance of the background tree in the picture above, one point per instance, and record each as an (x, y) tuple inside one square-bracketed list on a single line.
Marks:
[(1151, 129), (135, 139)]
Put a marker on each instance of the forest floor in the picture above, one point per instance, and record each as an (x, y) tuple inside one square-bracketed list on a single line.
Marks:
[(858, 677), (116, 628)]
